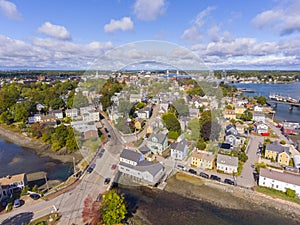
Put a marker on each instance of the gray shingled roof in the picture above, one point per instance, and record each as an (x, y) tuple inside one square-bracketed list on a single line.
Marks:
[(130, 155), (180, 146), (144, 149), (152, 167), (280, 176), (160, 137), (227, 160), (276, 147)]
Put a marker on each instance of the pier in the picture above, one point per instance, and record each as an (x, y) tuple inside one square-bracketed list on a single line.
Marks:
[(291, 104)]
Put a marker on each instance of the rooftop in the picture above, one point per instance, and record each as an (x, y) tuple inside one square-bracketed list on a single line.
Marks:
[(130, 155), (227, 160), (290, 178), (8, 180), (276, 147)]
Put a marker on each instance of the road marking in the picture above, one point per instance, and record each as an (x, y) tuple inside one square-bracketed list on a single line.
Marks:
[(41, 210), (100, 172)]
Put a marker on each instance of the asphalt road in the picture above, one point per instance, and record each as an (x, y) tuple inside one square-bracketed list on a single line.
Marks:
[(70, 203)]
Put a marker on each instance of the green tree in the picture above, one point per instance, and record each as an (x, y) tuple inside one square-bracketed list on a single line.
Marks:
[(173, 135), (194, 126), (140, 105), (262, 100), (113, 209), (283, 142), (290, 192), (71, 143), (247, 116), (201, 145), (171, 122), (78, 100), (124, 106)]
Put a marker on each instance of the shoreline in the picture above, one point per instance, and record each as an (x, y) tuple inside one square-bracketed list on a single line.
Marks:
[(40, 149)]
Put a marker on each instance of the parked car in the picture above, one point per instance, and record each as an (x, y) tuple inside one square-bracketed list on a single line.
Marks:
[(91, 168), (34, 196), (105, 129), (228, 181), (193, 171), (204, 175), (17, 203), (214, 177), (113, 166), (107, 180)]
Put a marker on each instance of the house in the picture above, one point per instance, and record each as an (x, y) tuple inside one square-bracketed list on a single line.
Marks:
[(258, 108), (91, 115), (279, 180), (86, 109), (231, 130), (234, 140), (179, 150), (203, 159), (87, 130), (11, 183), (50, 119), (240, 128), (239, 110), (134, 165), (144, 113), (57, 113), (39, 107), (296, 159), (288, 129), (258, 117), (35, 118), (261, 128), (279, 153), (227, 164), (135, 98), (229, 114), (157, 143), (72, 113)]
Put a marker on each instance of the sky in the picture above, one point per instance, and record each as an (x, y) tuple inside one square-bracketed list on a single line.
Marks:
[(221, 34)]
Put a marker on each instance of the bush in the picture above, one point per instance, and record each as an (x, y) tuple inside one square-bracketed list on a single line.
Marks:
[(290, 193), (25, 190), (282, 142), (35, 189), (9, 207)]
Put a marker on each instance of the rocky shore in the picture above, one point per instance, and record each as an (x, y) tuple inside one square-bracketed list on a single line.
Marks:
[(41, 149), (190, 200)]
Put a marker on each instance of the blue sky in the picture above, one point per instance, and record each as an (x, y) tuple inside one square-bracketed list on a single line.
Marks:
[(65, 34)]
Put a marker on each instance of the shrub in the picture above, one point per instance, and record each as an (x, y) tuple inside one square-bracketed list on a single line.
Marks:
[(9, 207), (282, 142), (291, 193)]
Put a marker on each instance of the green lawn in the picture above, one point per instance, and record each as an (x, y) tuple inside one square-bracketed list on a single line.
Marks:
[(276, 194)]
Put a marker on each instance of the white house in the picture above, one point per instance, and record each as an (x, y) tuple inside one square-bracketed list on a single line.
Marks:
[(57, 113), (279, 180), (259, 117), (9, 183), (91, 115), (179, 150), (258, 108), (134, 165), (72, 113), (157, 143), (144, 113), (261, 128), (34, 119), (227, 164)]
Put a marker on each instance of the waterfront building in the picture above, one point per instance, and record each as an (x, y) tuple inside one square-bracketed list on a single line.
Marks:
[(179, 150), (279, 180), (157, 143), (9, 184), (227, 164), (279, 153), (203, 159), (134, 165)]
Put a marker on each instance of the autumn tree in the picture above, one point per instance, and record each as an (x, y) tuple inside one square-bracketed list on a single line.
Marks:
[(113, 209), (91, 211)]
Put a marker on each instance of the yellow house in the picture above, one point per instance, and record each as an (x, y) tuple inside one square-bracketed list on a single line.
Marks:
[(239, 110), (203, 160), (229, 114), (283, 158), (277, 152)]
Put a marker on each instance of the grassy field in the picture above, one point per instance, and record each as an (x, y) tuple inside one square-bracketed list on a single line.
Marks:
[(276, 194)]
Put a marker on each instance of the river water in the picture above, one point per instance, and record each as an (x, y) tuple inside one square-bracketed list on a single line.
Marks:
[(15, 159), (289, 90)]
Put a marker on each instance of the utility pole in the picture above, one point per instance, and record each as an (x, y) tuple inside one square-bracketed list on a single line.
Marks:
[(46, 182), (74, 172)]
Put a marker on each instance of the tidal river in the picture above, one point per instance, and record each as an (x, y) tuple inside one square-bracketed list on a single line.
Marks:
[(15, 159), (289, 90)]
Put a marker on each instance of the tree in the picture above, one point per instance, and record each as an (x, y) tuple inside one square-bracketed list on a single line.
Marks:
[(124, 107), (210, 130), (290, 192), (113, 209), (140, 105), (71, 143), (282, 142), (201, 145), (194, 126), (247, 116), (262, 100), (171, 122), (90, 211), (173, 135)]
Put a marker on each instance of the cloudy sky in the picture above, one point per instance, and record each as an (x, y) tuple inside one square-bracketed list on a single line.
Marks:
[(65, 34)]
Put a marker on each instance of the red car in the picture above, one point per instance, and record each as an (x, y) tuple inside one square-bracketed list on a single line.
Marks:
[(113, 166)]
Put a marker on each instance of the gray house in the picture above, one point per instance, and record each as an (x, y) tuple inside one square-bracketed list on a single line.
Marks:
[(179, 150), (134, 165), (234, 140), (227, 164), (157, 143)]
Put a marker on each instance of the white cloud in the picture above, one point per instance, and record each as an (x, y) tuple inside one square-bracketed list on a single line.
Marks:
[(123, 24), (149, 10), (284, 19), (9, 9), (194, 33), (55, 31)]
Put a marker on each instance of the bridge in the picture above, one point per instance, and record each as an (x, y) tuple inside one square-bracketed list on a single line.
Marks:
[(292, 104)]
